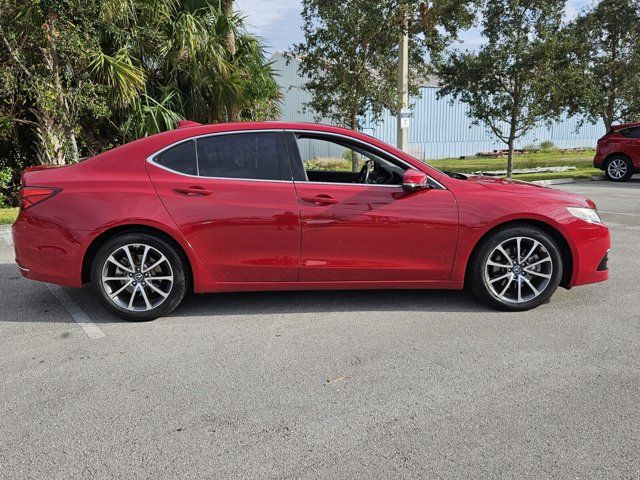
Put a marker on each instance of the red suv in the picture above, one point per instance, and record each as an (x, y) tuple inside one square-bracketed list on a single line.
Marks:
[(618, 152)]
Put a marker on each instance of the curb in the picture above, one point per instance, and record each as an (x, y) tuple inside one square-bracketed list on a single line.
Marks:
[(557, 181)]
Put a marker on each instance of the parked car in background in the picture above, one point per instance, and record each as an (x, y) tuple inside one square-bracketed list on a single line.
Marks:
[(291, 206), (618, 152)]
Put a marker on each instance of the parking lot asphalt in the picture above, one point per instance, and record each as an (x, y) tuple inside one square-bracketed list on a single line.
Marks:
[(387, 384)]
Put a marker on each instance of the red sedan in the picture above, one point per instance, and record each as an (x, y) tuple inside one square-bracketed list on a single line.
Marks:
[(288, 206)]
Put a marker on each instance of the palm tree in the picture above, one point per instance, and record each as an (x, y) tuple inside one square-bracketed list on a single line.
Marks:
[(82, 76), (169, 59)]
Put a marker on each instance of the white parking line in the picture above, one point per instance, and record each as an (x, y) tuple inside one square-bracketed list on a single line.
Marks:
[(6, 236), (81, 318)]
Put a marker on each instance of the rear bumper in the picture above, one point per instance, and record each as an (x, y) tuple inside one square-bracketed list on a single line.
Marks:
[(46, 252)]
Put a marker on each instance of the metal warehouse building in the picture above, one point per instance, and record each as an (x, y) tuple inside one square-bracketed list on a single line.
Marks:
[(439, 128)]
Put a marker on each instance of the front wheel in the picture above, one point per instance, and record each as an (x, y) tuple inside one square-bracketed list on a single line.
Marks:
[(516, 268), (138, 276)]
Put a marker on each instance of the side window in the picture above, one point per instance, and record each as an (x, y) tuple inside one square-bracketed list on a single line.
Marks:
[(329, 159), (323, 155), (633, 132), (241, 155), (180, 158)]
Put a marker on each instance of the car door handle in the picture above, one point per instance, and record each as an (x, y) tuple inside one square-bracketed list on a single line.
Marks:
[(193, 191), (320, 200)]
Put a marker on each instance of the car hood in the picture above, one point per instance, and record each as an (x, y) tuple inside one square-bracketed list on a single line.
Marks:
[(519, 187)]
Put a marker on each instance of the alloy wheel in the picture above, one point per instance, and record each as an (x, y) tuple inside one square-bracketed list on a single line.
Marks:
[(137, 277), (518, 270), (617, 168)]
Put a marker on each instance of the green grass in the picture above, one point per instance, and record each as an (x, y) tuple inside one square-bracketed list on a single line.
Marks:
[(586, 172), (551, 158), (582, 160), (8, 215)]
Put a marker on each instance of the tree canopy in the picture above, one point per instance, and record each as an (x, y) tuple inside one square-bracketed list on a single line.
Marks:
[(77, 76), (510, 83), (350, 51), (604, 48)]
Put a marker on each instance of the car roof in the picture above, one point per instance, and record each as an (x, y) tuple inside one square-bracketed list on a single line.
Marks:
[(131, 155), (190, 129), (622, 126)]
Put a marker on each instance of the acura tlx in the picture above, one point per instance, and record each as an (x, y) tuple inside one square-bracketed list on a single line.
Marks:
[(292, 206)]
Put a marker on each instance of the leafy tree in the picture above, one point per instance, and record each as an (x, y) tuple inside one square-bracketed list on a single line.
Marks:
[(45, 85), (77, 76), (195, 57), (350, 51), (605, 51), (510, 83)]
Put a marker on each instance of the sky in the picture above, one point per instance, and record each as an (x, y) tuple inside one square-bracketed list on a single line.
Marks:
[(279, 24)]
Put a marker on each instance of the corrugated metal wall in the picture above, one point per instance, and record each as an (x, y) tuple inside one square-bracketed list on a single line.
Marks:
[(439, 128)]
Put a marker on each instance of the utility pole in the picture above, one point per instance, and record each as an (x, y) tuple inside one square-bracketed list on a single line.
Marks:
[(403, 83)]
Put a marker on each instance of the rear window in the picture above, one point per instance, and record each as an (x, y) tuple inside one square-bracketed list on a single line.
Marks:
[(180, 158), (242, 155), (633, 132)]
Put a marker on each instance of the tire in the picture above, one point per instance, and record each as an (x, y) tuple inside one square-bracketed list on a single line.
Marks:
[(495, 280), (619, 168), (130, 292)]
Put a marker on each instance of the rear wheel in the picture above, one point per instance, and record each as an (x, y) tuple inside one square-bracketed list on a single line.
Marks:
[(138, 276), (516, 268), (619, 168)]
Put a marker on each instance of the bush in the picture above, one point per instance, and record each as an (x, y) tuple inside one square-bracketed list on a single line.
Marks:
[(532, 147), (12, 163), (328, 163), (547, 145), (6, 176)]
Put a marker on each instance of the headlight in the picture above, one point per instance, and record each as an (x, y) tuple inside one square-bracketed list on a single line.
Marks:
[(587, 214)]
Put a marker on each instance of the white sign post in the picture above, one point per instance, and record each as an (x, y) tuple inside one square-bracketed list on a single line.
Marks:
[(405, 118)]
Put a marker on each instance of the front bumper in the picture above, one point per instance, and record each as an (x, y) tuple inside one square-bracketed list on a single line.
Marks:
[(598, 161), (590, 252)]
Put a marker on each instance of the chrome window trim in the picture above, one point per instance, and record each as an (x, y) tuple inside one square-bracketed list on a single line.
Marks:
[(302, 182), (366, 145), (151, 158)]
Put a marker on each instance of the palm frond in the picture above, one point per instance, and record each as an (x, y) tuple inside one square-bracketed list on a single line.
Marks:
[(118, 72)]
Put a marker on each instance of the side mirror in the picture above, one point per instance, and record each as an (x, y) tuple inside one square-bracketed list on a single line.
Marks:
[(414, 180)]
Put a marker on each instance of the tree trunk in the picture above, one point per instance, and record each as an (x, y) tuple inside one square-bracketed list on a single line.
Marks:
[(513, 128), (510, 142), (56, 129), (353, 125), (50, 145), (227, 10), (510, 158), (226, 7), (75, 155), (607, 118)]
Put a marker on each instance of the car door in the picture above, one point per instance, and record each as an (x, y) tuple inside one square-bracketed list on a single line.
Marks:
[(233, 198), (631, 144), (367, 232)]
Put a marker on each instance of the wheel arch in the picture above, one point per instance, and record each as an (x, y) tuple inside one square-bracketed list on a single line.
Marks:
[(100, 240), (565, 249), (615, 154)]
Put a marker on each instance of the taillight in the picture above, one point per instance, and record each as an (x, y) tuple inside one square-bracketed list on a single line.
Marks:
[(31, 196)]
